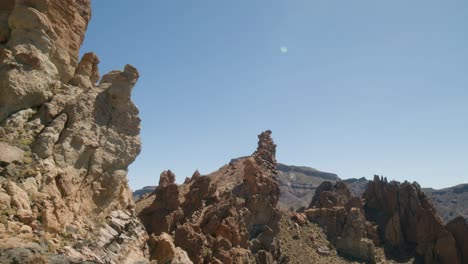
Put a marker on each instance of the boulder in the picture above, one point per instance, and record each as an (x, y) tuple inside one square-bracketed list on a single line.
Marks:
[(10, 154), (162, 248)]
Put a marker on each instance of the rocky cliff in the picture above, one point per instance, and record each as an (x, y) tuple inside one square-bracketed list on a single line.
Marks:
[(66, 140)]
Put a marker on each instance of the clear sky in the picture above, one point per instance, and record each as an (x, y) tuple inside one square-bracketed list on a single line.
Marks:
[(352, 87)]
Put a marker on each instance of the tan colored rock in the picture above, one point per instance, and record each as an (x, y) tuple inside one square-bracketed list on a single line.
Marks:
[(330, 219), (87, 72), (181, 257), (78, 138), (352, 241), (19, 198), (43, 146), (26, 229), (26, 216), (49, 218), (9, 154), (5, 200), (299, 218), (162, 248)]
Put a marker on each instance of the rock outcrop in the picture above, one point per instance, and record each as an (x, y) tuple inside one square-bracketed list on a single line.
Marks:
[(341, 216), (229, 216), (408, 223), (66, 141)]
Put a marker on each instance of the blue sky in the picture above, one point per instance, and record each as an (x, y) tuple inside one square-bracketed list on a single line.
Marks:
[(365, 87)]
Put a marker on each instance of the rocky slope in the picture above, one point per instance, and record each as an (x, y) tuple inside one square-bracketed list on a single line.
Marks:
[(66, 141)]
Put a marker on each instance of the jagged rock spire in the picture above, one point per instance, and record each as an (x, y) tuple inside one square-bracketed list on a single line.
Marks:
[(166, 178), (266, 150)]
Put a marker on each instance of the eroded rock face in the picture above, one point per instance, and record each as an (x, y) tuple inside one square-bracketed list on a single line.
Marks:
[(68, 141), (408, 222), (229, 216), (341, 216), (39, 51)]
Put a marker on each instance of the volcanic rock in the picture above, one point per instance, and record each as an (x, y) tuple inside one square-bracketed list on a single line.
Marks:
[(66, 141), (229, 216), (408, 222), (341, 216)]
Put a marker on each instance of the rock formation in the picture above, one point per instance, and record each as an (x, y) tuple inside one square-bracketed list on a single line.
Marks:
[(229, 216), (398, 217), (408, 223), (66, 141), (341, 215)]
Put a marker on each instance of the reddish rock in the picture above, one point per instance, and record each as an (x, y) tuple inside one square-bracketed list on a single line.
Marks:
[(329, 195), (299, 218), (408, 223), (221, 224), (163, 214)]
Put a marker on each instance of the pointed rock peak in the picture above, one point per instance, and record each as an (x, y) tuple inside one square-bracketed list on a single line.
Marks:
[(196, 175), (131, 73), (87, 72), (266, 149), (166, 178)]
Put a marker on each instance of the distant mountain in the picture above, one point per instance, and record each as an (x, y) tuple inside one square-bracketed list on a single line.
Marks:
[(357, 186), (450, 202), (298, 183), (140, 192)]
